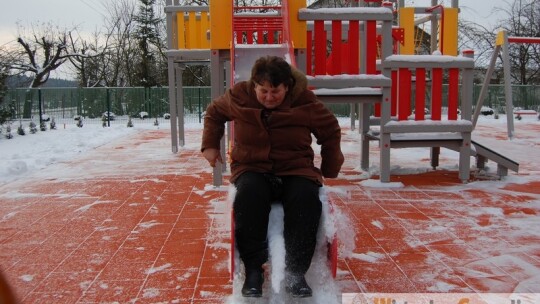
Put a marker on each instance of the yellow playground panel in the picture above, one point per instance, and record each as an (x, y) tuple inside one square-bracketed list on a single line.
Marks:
[(446, 27), (194, 27)]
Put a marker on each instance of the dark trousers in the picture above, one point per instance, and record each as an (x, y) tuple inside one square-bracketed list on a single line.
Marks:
[(302, 208)]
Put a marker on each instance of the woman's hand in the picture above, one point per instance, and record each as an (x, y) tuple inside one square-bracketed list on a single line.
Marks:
[(212, 155)]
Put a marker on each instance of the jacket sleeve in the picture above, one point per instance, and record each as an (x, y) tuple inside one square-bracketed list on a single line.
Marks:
[(217, 114), (328, 133)]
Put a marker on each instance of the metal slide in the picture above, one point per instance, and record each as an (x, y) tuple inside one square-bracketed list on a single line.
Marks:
[(245, 56)]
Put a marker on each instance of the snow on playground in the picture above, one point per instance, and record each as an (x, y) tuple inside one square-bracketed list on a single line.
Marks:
[(28, 157), (26, 154)]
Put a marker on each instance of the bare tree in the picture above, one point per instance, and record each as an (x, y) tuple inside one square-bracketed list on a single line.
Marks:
[(43, 51), (118, 70), (88, 66), (195, 2), (523, 21), (521, 18), (329, 3)]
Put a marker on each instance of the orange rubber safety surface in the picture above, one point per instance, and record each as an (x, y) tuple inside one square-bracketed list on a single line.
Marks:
[(131, 222)]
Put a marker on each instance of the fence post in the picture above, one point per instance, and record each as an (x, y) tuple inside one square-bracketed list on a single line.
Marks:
[(40, 105), (200, 104), (108, 108)]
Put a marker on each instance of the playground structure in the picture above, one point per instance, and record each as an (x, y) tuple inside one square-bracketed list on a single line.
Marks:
[(350, 55), (501, 48)]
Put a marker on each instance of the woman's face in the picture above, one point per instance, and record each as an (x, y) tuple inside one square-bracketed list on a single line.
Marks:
[(269, 96)]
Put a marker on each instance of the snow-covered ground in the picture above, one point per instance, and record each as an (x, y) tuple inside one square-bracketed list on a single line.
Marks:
[(23, 155)]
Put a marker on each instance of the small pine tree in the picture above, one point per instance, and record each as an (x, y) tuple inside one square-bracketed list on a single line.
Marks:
[(20, 130), (33, 127), (129, 123), (52, 124), (8, 132)]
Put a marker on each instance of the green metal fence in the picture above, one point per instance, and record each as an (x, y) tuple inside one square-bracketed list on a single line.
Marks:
[(66, 104), (97, 104), (526, 97)]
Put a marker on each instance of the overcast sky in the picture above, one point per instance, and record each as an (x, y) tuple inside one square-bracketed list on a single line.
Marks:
[(86, 14)]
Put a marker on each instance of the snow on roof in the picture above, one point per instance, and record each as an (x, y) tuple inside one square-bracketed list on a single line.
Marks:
[(348, 77), (429, 122), (348, 10), (348, 91), (427, 58)]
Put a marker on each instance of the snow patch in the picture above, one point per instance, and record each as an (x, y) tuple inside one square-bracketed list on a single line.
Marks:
[(150, 293), (375, 183), (87, 207), (150, 224), (158, 269), (378, 224), (27, 277), (370, 256)]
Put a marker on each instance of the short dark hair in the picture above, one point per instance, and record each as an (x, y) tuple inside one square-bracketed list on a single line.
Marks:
[(273, 69)]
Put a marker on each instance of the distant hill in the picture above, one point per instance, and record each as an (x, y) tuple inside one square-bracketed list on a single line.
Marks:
[(22, 81)]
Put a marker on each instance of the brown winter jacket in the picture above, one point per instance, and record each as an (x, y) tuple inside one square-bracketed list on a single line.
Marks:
[(282, 145)]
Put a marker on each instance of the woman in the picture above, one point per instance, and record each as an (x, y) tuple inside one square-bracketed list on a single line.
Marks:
[(274, 117)]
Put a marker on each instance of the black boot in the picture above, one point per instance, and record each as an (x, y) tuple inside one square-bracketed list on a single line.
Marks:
[(297, 286), (253, 284)]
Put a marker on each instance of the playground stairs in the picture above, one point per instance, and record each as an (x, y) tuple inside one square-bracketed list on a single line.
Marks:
[(483, 154)]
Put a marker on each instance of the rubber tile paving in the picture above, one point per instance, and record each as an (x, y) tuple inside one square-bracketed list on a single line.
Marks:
[(132, 222)]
